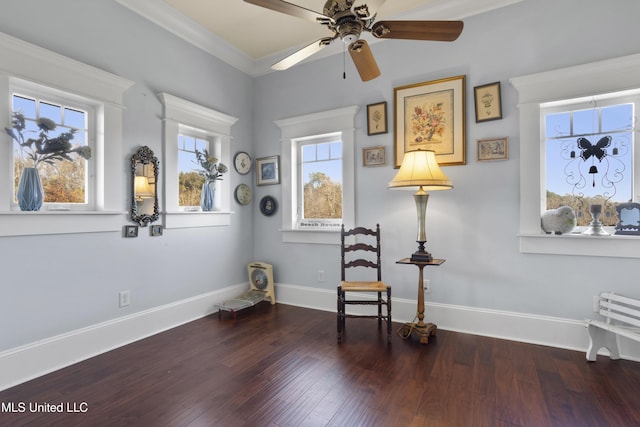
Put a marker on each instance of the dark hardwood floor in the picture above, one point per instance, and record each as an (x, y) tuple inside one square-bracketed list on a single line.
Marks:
[(281, 366)]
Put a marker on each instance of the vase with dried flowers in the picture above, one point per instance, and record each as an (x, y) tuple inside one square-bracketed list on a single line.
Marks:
[(212, 171), (41, 149)]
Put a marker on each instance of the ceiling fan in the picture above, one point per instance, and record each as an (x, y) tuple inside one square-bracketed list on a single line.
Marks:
[(348, 19)]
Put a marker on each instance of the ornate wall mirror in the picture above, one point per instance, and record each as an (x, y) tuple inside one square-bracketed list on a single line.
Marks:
[(144, 189)]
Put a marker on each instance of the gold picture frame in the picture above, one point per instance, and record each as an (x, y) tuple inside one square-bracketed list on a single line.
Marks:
[(431, 116), (377, 118), (487, 101), (374, 156), (493, 149)]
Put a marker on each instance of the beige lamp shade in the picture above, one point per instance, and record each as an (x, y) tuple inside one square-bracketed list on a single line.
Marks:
[(143, 191), (419, 168)]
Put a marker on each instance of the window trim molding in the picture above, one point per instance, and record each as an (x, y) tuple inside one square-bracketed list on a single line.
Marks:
[(32, 63), (338, 120), (613, 75), (179, 112)]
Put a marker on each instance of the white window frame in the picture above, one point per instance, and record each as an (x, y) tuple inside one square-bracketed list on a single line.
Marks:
[(341, 120), (333, 224), (42, 93), (214, 147), (182, 116), (535, 90), (29, 63)]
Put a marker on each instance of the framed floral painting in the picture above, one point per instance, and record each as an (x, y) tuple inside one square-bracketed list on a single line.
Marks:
[(431, 116)]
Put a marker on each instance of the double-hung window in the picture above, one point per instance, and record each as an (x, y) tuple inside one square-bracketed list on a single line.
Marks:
[(80, 195), (577, 142), (189, 127), (319, 176), (190, 181), (589, 154), (318, 183), (67, 182)]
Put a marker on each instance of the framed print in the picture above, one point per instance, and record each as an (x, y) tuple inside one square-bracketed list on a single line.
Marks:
[(373, 156), (377, 118), (156, 230), (487, 101), (431, 116), (268, 170), (493, 149), (131, 231)]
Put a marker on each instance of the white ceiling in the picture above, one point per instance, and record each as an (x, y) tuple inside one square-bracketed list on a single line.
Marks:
[(251, 38)]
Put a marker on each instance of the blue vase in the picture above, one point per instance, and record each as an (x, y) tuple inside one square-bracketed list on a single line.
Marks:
[(30, 193), (206, 197)]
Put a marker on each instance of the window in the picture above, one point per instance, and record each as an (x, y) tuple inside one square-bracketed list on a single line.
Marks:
[(66, 182), (319, 182), (75, 90), (187, 127), (571, 90), (589, 155), (189, 180), (317, 162)]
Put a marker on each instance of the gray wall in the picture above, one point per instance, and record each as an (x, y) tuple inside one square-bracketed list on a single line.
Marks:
[(59, 283), (475, 225), (76, 280)]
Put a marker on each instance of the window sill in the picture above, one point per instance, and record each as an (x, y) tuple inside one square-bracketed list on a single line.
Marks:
[(581, 245), (322, 237), (18, 223), (186, 219)]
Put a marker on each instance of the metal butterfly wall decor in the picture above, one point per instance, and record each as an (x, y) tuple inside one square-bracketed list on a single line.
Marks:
[(598, 150)]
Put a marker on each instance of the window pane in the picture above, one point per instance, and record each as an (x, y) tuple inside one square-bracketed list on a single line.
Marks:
[(585, 121), (308, 153), (74, 118), (588, 166), (323, 151), (26, 105), (189, 180), (63, 171), (322, 181), (53, 112), (558, 124), (617, 117)]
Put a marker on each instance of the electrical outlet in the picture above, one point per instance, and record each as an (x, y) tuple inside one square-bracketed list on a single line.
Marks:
[(320, 275), (427, 286), (125, 298)]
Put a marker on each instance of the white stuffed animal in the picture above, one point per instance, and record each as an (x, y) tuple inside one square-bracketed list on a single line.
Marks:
[(558, 221)]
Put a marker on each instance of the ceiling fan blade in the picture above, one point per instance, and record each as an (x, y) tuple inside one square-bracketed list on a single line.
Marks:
[(367, 9), (289, 9), (445, 31), (302, 54), (364, 60)]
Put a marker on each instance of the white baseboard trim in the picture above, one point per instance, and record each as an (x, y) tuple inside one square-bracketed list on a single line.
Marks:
[(557, 332), (30, 361)]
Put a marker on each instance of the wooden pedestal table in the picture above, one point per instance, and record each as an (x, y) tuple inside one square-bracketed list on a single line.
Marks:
[(420, 329)]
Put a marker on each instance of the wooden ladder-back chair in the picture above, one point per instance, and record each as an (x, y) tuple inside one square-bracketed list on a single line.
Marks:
[(357, 255)]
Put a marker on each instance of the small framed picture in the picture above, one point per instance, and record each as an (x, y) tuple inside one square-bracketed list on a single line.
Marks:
[(373, 156), (156, 230), (377, 118), (268, 205), (493, 149), (131, 231), (268, 170), (487, 101)]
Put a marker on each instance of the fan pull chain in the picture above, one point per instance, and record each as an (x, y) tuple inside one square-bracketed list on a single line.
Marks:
[(344, 65)]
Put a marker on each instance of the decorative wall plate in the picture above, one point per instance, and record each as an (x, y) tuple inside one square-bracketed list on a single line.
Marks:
[(242, 194), (268, 205), (242, 162)]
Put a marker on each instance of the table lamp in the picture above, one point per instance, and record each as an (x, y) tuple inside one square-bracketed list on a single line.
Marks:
[(419, 170), (142, 188)]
